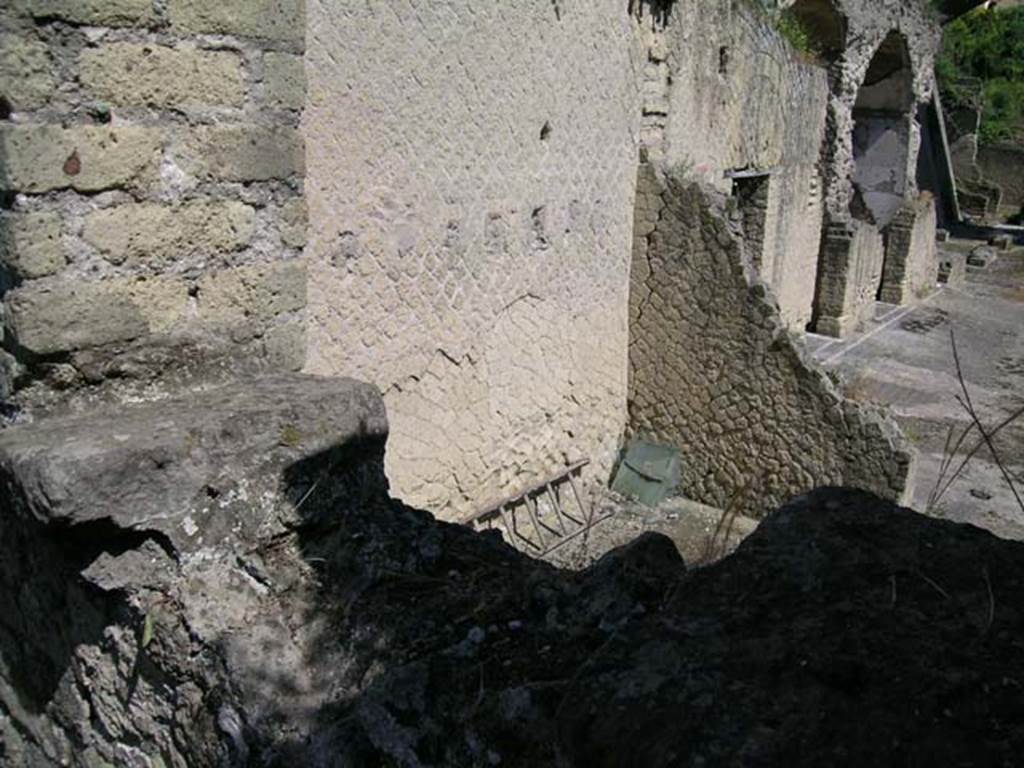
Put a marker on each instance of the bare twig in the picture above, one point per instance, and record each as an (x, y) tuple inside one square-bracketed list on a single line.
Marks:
[(943, 483), (308, 493), (995, 454), (991, 600), (949, 452), (716, 546), (966, 402), (970, 454), (934, 585)]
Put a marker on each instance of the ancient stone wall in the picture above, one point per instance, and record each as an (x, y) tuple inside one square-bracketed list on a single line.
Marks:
[(1002, 166), (153, 218), (871, 148), (714, 372), (471, 180), (792, 241), (868, 24), (849, 274), (911, 263), (471, 184), (740, 99)]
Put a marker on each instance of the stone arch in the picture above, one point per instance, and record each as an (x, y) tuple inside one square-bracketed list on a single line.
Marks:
[(882, 129), (824, 23)]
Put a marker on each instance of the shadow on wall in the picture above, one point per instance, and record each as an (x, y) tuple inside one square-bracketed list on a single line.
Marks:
[(7, 275)]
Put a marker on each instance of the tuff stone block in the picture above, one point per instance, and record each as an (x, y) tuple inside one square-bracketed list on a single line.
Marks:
[(67, 316), (267, 19), (285, 345), (244, 153), (26, 79), (109, 13), (40, 158), (30, 244), (156, 234), (293, 223), (246, 297), (129, 73), (284, 80)]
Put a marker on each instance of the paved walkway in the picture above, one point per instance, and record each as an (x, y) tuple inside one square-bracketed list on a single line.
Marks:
[(904, 359)]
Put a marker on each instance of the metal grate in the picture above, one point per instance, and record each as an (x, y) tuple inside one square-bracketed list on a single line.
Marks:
[(543, 517)]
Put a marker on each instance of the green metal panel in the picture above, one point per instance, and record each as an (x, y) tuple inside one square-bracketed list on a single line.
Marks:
[(648, 472)]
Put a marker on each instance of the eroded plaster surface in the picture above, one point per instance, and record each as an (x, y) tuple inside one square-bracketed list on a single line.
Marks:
[(471, 171)]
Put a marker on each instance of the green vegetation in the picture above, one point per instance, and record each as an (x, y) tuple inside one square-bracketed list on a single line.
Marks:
[(791, 27), (987, 47)]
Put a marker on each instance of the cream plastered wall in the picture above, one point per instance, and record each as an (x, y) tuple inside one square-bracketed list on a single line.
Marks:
[(471, 178)]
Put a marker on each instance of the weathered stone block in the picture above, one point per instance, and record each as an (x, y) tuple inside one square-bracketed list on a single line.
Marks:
[(40, 158), (151, 465), (176, 497), (293, 223), (249, 296), (30, 244), (151, 233), (26, 80), (244, 153), (981, 256), (67, 316), (267, 19), (112, 13), (952, 268), (127, 73), (284, 80), (1002, 242), (163, 301), (285, 346)]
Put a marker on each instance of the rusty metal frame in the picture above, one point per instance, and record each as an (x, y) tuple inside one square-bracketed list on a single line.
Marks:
[(548, 535)]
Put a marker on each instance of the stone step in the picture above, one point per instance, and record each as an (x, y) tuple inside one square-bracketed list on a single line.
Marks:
[(201, 469)]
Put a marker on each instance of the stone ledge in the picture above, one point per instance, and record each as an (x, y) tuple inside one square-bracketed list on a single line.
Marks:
[(201, 469)]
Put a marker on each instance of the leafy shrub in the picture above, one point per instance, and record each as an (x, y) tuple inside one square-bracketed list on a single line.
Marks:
[(987, 46), (797, 34)]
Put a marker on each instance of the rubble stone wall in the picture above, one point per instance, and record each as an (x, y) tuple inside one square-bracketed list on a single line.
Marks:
[(471, 182), (153, 216), (714, 372)]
